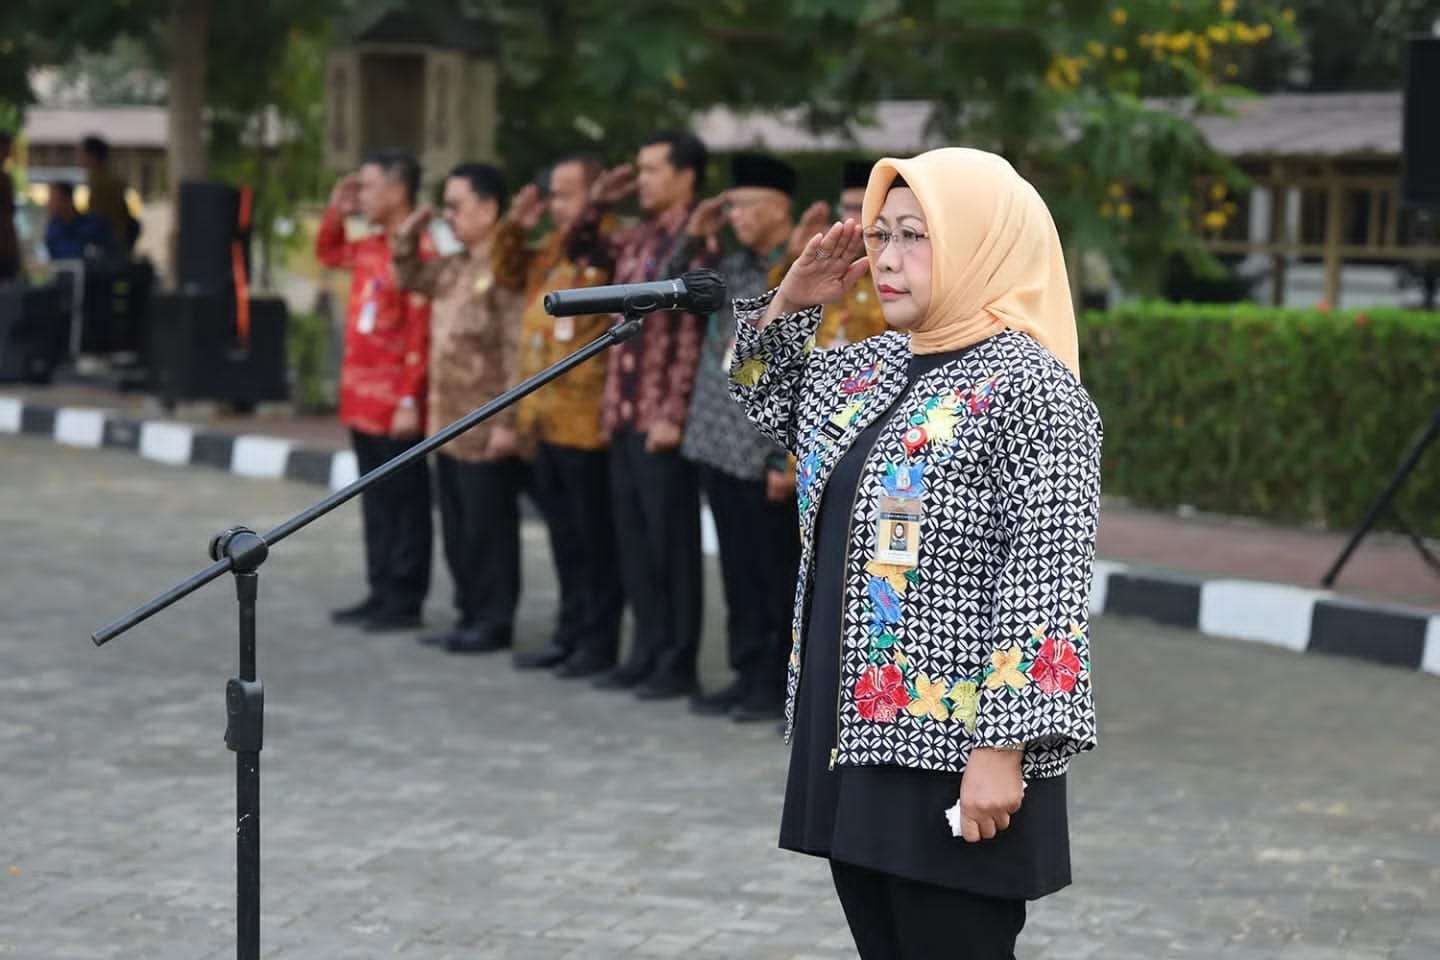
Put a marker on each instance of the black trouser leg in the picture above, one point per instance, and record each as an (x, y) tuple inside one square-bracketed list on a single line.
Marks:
[(480, 517), (675, 502), (398, 527), (582, 480), (657, 525), (892, 918), (737, 507), (632, 552), (552, 496), (780, 535)]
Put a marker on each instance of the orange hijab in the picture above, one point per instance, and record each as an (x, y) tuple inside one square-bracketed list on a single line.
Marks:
[(995, 256)]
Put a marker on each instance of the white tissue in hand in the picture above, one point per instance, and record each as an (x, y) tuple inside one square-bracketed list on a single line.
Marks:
[(953, 815)]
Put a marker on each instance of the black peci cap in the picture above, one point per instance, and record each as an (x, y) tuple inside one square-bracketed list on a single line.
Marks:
[(762, 170)]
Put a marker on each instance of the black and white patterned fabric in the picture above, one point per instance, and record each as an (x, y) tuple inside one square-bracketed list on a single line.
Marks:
[(717, 433), (984, 642)]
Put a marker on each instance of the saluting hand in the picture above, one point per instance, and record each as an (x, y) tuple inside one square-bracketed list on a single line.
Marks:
[(613, 185), (707, 218), (812, 221), (826, 269), (418, 220), (526, 207)]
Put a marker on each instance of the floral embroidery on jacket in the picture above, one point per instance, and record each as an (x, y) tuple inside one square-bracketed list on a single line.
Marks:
[(880, 693)]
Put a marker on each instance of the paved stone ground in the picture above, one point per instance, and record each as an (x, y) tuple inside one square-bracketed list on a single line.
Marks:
[(1246, 802)]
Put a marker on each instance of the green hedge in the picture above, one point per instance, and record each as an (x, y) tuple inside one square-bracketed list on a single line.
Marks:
[(1296, 416), (314, 382)]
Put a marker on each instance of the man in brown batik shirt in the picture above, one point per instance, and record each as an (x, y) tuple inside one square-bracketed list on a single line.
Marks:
[(474, 341)]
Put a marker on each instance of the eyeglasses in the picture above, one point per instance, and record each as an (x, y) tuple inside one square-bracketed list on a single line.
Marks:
[(878, 238)]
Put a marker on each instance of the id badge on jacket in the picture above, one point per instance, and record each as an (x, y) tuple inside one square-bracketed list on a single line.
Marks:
[(897, 531)]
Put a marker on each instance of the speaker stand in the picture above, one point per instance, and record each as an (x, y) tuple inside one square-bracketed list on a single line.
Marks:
[(1387, 495)]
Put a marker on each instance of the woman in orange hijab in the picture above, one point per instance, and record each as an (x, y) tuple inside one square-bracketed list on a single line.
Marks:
[(940, 676)]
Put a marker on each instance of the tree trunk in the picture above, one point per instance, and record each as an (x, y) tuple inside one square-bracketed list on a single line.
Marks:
[(185, 154)]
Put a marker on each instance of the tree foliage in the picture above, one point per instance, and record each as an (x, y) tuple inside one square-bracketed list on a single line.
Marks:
[(1089, 97)]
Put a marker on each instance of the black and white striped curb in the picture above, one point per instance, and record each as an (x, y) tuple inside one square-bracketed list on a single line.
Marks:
[(1295, 618)]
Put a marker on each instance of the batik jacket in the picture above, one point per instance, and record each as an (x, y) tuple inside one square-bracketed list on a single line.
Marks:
[(984, 641)]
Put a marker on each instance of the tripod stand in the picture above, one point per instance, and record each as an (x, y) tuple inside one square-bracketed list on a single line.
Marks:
[(1392, 488), (240, 551)]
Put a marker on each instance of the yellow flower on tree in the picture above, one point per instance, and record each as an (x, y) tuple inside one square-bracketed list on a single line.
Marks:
[(1118, 16), (1216, 220), (964, 703), (1227, 7), (929, 699), (1005, 670)]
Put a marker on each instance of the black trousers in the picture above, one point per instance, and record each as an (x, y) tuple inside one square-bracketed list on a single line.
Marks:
[(480, 521), (657, 533), (759, 557), (892, 918), (572, 489), (399, 534)]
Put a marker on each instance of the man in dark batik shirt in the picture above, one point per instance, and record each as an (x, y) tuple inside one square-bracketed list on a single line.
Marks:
[(747, 479), (643, 410)]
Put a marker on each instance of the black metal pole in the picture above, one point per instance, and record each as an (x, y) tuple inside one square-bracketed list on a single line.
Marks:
[(244, 734), (240, 551), (1378, 507)]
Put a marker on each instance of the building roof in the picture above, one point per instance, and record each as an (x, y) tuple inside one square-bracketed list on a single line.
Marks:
[(1310, 125), (121, 126), (1292, 124)]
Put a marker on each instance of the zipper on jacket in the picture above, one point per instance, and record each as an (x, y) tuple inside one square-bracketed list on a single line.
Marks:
[(844, 579)]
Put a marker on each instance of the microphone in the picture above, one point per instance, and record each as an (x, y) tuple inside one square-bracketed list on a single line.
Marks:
[(698, 291)]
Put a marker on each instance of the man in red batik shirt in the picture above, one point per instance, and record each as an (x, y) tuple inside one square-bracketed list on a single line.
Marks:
[(382, 387)]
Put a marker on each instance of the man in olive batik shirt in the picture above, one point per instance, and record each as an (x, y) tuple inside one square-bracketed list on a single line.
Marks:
[(561, 420)]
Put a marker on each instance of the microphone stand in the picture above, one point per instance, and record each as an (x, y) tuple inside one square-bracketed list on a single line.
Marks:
[(240, 551)]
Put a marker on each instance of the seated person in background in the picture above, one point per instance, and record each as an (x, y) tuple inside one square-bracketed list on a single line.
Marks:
[(72, 235)]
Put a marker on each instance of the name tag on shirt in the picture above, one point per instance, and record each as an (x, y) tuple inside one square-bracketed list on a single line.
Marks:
[(897, 531), (366, 322)]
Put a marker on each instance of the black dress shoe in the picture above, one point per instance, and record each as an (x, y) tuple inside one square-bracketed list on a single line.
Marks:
[(543, 659), (356, 614), (759, 707), (720, 702), (387, 621), (664, 688), (441, 637), (625, 677), (580, 665), (480, 640)]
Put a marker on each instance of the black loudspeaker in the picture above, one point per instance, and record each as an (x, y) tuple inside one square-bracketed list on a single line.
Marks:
[(209, 226), (1420, 137), (33, 331), (194, 353), (116, 306)]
